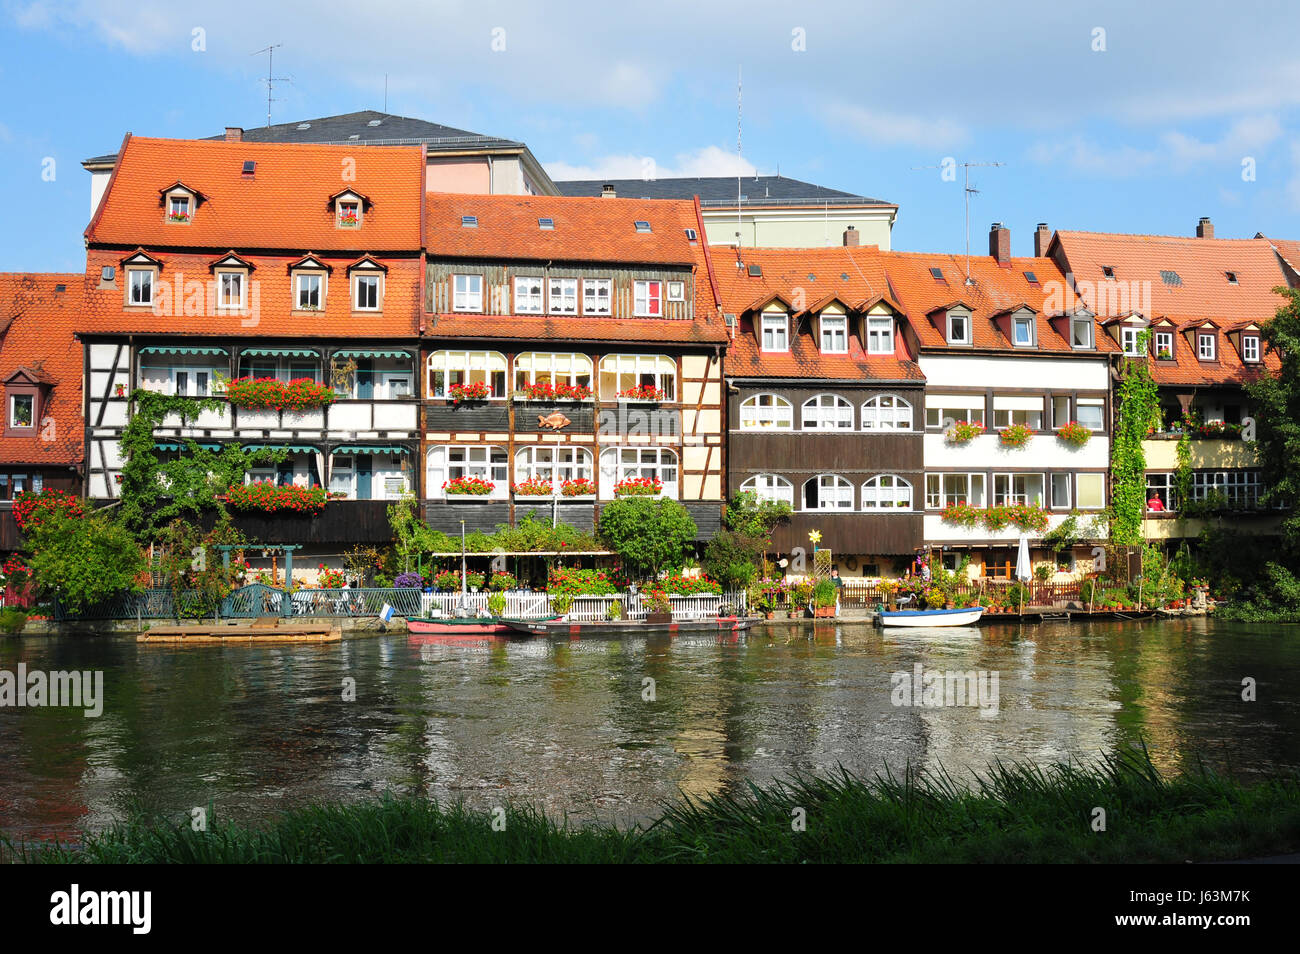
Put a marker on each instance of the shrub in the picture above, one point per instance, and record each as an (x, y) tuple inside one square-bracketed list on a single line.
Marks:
[(408, 581), (647, 534), (579, 582), (12, 620), (615, 611), (824, 594), (31, 508), (561, 603), (447, 580), (497, 604), (656, 601)]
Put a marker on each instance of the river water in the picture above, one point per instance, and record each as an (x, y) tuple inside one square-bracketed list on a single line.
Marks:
[(569, 725)]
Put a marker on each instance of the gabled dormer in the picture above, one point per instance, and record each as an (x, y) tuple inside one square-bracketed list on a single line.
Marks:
[(309, 277), (179, 202), (831, 324), (880, 324), (349, 208), (1164, 339), (1078, 328), (366, 277), (771, 318), (1246, 339), (27, 393), (140, 270), (1127, 331), (1203, 339), (953, 321), (1018, 324), (231, 274)]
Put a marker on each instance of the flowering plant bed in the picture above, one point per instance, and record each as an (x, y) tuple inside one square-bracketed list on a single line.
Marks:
[(964, 431), (643, 392), (474, 391), (578, 487), (534, 487), (577, 582), (1017, 435), (468, 487), (298, 395), (31, 509), (690, 585), (272, 498), (639, 487), (545, 391), (1074, 433)]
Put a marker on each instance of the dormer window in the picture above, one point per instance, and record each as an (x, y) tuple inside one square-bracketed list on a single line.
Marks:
[(1205, 346), (1250, 348), (958, 328), (834, 334), (1131, 339), (22, 411), (1081, 332), (1165, 345), (1022, 331), (230, 289), (775, 332), (880, 335), (349, 209), (349, 215), (139, 286), (178, 208)]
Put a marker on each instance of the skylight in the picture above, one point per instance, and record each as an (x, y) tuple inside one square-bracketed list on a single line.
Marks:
[(250, 166), (755, 271), (1108, 271), (937, 274), (691, 236), (1232, 277), (469, 221), (304, 125), (546, 223), (374, 122), (642, 225), (1170, 278), (1031, 278)]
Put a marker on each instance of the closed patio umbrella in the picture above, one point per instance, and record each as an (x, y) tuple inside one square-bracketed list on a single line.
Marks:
[(1023, 570)]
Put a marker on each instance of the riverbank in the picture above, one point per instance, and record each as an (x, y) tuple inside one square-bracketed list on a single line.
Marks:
[(1117, 810)]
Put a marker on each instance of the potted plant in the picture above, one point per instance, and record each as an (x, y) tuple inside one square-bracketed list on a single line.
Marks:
[(578, 487), (824, 597), (475, 580), (561, 603), (800, 595), (501, 580), (659, 609), (963, 432), (1074, 433)]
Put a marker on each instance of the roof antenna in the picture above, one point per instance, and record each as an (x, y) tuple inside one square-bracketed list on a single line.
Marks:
[(385, 93), (968, 191), (270, 80), (740, 115)]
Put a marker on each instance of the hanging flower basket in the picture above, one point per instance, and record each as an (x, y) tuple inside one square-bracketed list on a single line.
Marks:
[(963, 432), (299, 394), (639, 487), (1017, 435), (475, 391), (468, 487), (1074, 433)]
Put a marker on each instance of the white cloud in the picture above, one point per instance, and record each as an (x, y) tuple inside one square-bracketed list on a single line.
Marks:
[(888, 128), (707, 161), (1244, 137), (1084, 155)]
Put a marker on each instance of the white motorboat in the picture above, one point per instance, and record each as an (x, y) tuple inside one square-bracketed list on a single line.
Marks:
[(966, 616)]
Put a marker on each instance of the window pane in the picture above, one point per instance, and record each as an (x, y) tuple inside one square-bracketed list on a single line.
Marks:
[(1091, 491)]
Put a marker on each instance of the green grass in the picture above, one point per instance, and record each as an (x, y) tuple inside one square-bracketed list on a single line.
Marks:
[(1012, 813)]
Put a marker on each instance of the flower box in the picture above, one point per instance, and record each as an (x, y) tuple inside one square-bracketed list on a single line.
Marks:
[(578, 487), (643, 392), (273, 394), (545, 391), (1074, 433), (475, 391), (533, 487), (639, 487), (468, 487), (269, 497), (1017, 435), (963, 432)]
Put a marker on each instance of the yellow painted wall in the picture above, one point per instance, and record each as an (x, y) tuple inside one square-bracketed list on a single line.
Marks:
[(1205, 454)]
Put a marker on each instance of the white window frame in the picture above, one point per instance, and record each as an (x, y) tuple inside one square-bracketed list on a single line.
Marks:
[(815, 410), (462, 362), (551, 366), (1068, 480), (763, 412), (645, 294), (880, 328), (971, 414), (339, 208), (1130, 340), (886, 492), (945, 496), (592, 301), (1006, 494), (1164, 342), (188, 202), (676, 291), (834, 493), (1077, 323), (467, 292), (444, 462), (770, 487), (357, 280), (223, 277), (965, 319), (886, 412), (132, 275), (298, 281), (1079, 505), (619, 463), (833, 334), (1099, 404), (1201, 338), (661, 366), (774, 327), (556, 463), (1250, 349), (13, 406), (527, 302), (562, 296), (1026, 322)]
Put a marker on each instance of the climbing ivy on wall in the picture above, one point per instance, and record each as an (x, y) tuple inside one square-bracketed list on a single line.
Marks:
[(1183, 473), (155, 492), (1138, 412)]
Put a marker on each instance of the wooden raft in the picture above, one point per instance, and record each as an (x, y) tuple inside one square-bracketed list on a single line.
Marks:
[(265, 629)]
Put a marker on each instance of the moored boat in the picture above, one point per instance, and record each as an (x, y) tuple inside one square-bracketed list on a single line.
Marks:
[(964, 616), (562, 627), (462, 626)]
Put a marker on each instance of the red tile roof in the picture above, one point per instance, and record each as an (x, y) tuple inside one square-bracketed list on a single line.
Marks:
[(284, 204), (38, 323), (270, 289), (586, 229)]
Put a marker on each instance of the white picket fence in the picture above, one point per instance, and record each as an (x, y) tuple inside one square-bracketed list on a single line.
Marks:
[(525, 604)]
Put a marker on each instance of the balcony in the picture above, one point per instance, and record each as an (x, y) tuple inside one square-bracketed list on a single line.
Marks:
[(342, 523)]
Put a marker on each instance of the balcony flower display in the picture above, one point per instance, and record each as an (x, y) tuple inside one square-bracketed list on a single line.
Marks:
[(30, 509), (468, 487), (580, 582), (1017, 435), (1074, 433), (299, 394), (269, 497), (643, 392), (1027, 517), (534, 487), (545, 391), (963, 431), (639, 487), (963, 514), (473, 391), (578, 487)]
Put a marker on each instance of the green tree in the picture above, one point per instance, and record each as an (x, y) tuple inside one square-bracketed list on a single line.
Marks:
[(84, 560), (1277, 415), (753, 517), (648, 534), (192, 566)]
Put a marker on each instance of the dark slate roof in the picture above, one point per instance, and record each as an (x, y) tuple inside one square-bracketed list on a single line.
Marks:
[(720, 190), (389, 130)]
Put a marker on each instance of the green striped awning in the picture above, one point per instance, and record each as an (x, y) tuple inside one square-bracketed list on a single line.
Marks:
[(372, 449), (374, 353), (152, 349), (291, 448), (180, 447), (281, 353)]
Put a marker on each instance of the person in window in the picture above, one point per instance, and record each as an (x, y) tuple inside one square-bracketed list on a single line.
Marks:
[(1155, 503)]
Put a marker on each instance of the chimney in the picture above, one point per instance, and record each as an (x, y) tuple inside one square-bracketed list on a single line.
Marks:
[(607, 191), (1205, 228), (1000, 243), (234, 134), (1042, 239), (851, 237)]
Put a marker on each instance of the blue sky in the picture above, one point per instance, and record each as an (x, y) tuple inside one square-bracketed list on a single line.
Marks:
[(1109, 116)]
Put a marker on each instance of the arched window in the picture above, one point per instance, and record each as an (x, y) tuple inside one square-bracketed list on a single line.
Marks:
[(556, 464), (450, 462), (827, 492), (770, 487), (886, 412), (638, 376), (886, 492), (623, 463), (766, 411), (827, 412), (553, 368), (448, 368)]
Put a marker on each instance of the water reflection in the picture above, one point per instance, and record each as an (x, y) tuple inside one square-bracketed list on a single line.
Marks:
[(570, 725)]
